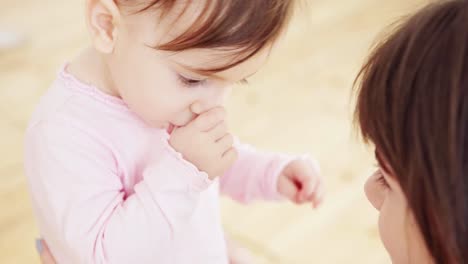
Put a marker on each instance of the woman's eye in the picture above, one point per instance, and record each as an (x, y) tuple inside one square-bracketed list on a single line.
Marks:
[(381, 179), (189, 82)]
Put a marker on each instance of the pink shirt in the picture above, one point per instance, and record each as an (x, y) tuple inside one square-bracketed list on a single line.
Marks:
[(107, 188)]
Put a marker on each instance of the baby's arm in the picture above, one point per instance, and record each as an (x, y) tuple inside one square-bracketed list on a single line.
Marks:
[(81, 207), (254, 175)]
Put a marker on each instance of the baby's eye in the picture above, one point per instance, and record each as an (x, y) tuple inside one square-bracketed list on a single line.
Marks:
[(243, 82), (189, 82)]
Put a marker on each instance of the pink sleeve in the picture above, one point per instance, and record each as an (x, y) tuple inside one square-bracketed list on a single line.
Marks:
[(81, 207), (254, 176)]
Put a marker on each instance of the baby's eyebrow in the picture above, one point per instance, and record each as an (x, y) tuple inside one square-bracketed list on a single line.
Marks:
[(203, 72)]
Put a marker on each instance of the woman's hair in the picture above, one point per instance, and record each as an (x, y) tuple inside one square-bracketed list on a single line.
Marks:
[(241, 27), (412, 104)]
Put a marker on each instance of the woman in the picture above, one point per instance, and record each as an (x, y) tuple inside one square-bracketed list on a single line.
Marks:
[(413, 106)]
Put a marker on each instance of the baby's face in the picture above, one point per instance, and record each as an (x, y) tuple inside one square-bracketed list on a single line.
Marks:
[(162, 87), (399, 231)]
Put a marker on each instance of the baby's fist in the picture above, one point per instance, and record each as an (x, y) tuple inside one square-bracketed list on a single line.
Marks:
[(301, 182)]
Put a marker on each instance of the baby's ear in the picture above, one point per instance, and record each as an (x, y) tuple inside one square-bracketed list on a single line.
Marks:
[(102, 18)]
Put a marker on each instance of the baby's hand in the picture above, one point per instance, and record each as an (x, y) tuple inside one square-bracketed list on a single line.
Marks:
[(206, 143), (300, 181)]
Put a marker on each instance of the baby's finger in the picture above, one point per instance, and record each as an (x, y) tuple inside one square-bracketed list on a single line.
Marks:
[(311, 175), (287, 188), (225, 143), (317, 196), (307, 188), (219, 131), (320, 195), (209, 119), (309, 183), (230, 156)]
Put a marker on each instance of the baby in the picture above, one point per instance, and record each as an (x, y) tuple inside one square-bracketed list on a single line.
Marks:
[(128, 151)]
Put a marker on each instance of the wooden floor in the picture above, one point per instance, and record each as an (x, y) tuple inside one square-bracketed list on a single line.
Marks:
[(300, 102)]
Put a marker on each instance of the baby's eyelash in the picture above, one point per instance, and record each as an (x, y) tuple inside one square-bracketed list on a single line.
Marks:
[(243, 82), (189, 82)]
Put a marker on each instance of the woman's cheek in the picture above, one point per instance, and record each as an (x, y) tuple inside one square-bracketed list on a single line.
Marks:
[(392, 230)]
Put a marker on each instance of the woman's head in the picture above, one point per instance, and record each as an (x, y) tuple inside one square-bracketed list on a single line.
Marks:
[(413, 106), (165, 56)]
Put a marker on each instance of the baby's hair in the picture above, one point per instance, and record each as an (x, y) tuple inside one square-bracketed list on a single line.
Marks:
[(240, 27), (412, 104)]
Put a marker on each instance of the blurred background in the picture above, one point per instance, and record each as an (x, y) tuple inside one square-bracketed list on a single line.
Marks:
[(300, 102)]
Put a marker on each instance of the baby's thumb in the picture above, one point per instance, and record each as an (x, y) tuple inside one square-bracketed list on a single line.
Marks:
[(287, 188)]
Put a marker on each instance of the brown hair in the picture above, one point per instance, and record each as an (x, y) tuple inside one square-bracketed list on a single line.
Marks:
[(241, 27), (412, 104)]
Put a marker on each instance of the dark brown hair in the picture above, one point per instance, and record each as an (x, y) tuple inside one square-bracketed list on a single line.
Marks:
[(241, 27), (412, 104)]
